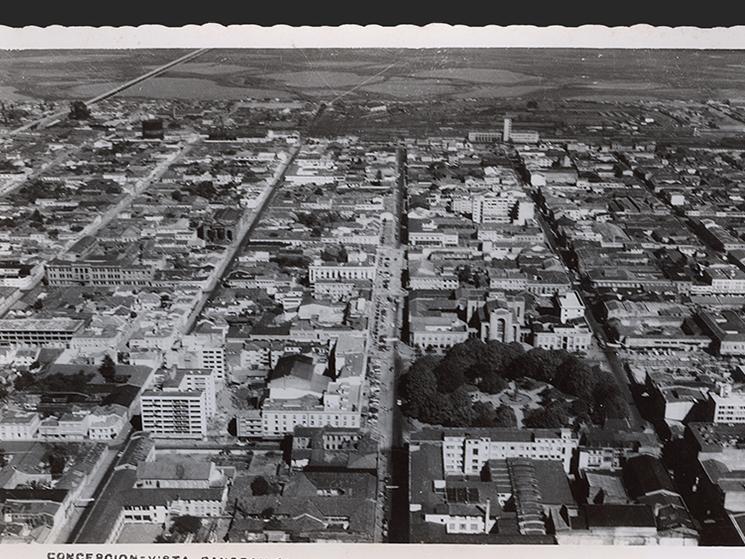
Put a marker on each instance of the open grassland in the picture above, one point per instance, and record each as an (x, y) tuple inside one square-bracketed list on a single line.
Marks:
[(379, 73)]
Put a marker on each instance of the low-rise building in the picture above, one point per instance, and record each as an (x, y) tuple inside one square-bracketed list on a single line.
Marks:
[(19, 426), (726, 329), (340, 406), (46, 332), (570, 337), (605, 449)]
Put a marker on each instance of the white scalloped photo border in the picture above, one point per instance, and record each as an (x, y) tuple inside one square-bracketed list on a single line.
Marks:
[(436, 35)]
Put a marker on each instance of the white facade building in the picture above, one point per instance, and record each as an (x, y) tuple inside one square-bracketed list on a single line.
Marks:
[(465, 453)]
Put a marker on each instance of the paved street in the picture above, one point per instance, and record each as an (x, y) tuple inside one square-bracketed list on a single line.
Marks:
[(383, 332), (106, 483)]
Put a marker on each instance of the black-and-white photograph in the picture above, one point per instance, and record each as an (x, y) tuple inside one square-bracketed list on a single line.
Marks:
[(368, 295)]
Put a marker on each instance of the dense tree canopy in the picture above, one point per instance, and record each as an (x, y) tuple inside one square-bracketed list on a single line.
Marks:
[(486, 415), (555, 414), (435, 388)]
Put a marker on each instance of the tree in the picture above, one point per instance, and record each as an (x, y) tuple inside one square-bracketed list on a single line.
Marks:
[(177, 196), (454, 410), (55, 458), (267, 513), (539, 364), (3, 458), (107, 368), (551, 416), (483, 414), (419, 386), (3, 392), (505, 417), (259, 486), (574, 377), (187, 524), (449, 380), (607, 399), (492, 384)]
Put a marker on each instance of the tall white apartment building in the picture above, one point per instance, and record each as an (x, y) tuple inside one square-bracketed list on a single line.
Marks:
[(204, 349), (507, 206), (181, 409)]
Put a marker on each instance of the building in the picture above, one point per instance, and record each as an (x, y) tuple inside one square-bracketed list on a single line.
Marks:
[(524, 136), (726, 329), (570, 337), (333, 449), (107, 422), (48, 332), (465, 451), (159, 506), (570, 306), (204, 349), (152, 129), (727, 405), (37, 514), (174, 471), (437, 333), (720, 451), (340, 406), (249, 424), (484, 137), (19, 426), (605, 449), (316, 506), (73, 425), (507, 206), (223, 226), (507, 279), (509, 500), (109, 272), (725, 279), (327, 271), (336, 290), (181, 409), (615, 524), (498, 319)]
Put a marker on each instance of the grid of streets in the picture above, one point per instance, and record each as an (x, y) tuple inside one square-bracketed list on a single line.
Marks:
[(372, 319)]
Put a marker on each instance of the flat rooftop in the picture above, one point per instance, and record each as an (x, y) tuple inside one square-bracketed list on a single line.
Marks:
[(56, 324)]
